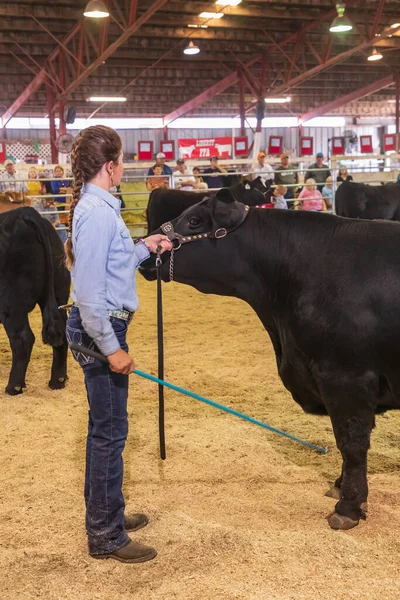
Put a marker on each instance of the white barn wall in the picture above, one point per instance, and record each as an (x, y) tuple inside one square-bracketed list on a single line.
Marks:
[(131, 137)]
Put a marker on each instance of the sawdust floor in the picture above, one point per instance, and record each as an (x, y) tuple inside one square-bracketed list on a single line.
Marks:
[(236, 512)]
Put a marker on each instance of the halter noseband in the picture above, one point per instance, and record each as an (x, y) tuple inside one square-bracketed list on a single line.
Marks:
[(175, 237)]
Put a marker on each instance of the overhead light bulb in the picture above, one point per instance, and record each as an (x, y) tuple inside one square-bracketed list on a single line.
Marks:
[(277, 100), (191, 48), (395, 25), (96, 9), (376, 55), (340, 23)]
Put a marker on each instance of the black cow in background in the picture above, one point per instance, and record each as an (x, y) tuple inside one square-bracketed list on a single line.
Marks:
[(32, 271), (327, 291), (167, 204), (361, 201)]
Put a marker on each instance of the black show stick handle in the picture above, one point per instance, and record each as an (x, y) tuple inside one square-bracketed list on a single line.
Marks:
[(93, 353)]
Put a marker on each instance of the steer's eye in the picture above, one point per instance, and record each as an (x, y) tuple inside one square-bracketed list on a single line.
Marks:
[(194, 222)]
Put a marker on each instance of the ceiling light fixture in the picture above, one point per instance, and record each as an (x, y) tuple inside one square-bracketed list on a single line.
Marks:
[(211, 15), (194, 26), (106, 99), (340, 23), (191, 48), (277, 100), (395, 25), (228, 2), (375, 55), (96, 9)]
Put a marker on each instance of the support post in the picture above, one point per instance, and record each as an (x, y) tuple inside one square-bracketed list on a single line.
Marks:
[(241, 105), (52, 125), (397, 80), (61, 106)]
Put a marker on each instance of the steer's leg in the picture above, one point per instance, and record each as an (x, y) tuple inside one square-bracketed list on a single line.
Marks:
[(21, 341), (352, 416), (59, 367)]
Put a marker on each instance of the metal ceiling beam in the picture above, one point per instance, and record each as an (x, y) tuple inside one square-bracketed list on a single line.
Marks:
[(35, 83), (113, 47), (351, 97)]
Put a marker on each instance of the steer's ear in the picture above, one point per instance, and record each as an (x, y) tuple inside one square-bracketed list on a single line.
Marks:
[(225, 195)]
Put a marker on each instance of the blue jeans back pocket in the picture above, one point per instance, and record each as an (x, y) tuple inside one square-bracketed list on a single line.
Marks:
[(80, 337)]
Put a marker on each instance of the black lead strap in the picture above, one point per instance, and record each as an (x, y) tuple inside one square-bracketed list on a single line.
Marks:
[(160, 337)]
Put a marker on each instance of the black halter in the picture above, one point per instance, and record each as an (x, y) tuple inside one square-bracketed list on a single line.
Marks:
[(178, 239)]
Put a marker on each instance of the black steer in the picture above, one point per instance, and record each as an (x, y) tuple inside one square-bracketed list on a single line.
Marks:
[(360, 201), (166, 204), (327, 291), (32, 271)]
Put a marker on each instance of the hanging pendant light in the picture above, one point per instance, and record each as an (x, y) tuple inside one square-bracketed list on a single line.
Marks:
[(340, 23), (375, 55), (191, 48), (96, 9)]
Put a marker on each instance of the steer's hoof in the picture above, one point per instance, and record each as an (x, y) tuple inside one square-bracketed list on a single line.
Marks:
[(334, 492), (337, 521), (58, 384), (14, 391)]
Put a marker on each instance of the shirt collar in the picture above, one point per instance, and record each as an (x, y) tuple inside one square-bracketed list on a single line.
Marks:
[(91, 188)]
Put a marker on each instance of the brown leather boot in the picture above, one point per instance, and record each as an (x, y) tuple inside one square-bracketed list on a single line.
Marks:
[(133, 552), (135, 521)]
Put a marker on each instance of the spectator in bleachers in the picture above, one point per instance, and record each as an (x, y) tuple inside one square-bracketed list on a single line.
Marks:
[(327, 192), (263, 170), (200, 183), (160, 162), (318, 171), (11, 181), (214, 180), (311, 197), (60, 186), (343, 175), (35, 186), (47, 209), (157, 181), (286, 175), (183, 178), (278, 197)]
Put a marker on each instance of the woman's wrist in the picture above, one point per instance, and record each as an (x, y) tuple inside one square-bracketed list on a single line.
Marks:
[(142, 241)]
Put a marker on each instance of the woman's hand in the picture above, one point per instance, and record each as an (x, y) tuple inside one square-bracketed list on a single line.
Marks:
[(121, 362), (158, 240)]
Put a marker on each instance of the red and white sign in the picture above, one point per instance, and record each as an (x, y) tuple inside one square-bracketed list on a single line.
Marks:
[(205, 148), (366, 143), (337, 145), (168, 148), (2, 153), (241, 146), (306, 146), (275, 144), (389, 142), (145, 151)]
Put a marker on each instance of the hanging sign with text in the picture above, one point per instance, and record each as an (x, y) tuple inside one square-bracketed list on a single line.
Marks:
[(205, 148)]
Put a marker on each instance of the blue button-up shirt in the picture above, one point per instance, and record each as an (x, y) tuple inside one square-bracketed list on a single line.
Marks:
[(104, 270)]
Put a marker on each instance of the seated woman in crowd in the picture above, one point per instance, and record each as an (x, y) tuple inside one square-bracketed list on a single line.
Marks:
[(157, 181), (60, 186), (327, 192), (311, 197), (343, 175), (35, 188), (200, 183)]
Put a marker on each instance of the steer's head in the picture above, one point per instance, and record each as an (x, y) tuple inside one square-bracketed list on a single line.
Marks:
[(209, 263)]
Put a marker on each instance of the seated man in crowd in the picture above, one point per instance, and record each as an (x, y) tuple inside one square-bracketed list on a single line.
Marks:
[(11, 181), (286, 175), (183, 178), (318, 171), (160, 162), (263, 170), (215, 180)]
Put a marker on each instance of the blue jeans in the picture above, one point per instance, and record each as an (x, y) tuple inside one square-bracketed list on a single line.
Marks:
[(107, 394)]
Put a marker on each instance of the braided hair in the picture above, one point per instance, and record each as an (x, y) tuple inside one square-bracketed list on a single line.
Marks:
[(93, 147)]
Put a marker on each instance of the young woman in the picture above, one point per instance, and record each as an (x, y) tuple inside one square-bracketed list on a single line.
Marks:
[(36, 187), (157, 181), (103, 261), (343, 175)]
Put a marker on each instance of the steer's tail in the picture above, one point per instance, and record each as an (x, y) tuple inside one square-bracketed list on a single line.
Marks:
[(53, 329)]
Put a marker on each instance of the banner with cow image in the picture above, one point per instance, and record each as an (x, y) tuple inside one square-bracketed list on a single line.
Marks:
[(205, 148)]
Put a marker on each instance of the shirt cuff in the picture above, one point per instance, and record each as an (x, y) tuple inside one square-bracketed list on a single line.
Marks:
[(141, 252), (109, 344)]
